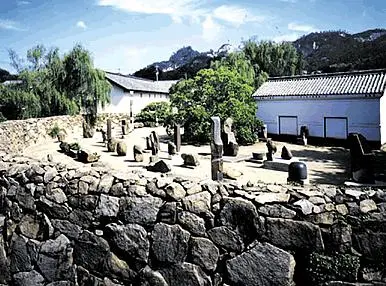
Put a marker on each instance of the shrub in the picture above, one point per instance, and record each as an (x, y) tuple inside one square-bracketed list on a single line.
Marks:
[(54, 131), (148, 115)]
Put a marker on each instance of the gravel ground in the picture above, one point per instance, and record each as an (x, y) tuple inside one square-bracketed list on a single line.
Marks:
[(326, 165)]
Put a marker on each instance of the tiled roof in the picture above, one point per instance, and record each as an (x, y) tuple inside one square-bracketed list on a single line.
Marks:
[(138, 84), (369, 83)]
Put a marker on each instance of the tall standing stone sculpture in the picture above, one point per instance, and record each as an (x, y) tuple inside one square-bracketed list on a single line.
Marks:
[(231, 148), (216, 147), (177, 136), (131, 112), (124, 127), (108, 129)]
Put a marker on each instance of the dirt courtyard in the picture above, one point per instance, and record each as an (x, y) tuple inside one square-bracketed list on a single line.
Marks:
[(326, 165)]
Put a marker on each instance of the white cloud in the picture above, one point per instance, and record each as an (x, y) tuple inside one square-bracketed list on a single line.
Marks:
[(301, 28), (10, 25), (180, 9), (211, 30), (286, 37), (21, 3), (235, 15), (81, 24)]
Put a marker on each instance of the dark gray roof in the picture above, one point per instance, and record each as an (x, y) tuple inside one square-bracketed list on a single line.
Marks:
[(128, 82), (369, 83)]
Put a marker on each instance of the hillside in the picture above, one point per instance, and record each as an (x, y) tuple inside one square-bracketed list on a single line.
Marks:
[(328, 51), (340, 51)]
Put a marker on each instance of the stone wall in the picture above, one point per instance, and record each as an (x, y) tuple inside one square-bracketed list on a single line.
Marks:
[(92, 226), (16, 135)]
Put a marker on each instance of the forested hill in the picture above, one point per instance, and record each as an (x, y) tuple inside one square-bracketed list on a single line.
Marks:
[(322, 51), (339, 51)]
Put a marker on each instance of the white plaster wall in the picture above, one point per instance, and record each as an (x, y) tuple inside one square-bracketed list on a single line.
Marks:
[(383, 117), (120, 100), (363, 114)]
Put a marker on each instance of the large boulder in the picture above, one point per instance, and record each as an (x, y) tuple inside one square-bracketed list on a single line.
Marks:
[(86, 156), (241, 216), (294, 235), (130, 241), (186, 274), (138, 153), (142, 210), (112, 145), (170, 243), (263, 265), (226, 238), (160, 166), (203, 253), (121, 148), (190, 159)]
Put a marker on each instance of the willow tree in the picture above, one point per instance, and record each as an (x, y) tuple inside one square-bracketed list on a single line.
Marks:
[(85, 84)]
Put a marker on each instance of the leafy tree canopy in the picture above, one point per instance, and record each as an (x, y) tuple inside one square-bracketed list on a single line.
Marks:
[(215, 92), (55, 85)]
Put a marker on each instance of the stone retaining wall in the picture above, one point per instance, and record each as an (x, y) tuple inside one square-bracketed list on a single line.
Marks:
[(92, 226), (16, 135)]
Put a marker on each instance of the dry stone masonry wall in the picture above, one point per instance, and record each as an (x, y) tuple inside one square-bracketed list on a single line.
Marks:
[(16, 135), (91, 226)]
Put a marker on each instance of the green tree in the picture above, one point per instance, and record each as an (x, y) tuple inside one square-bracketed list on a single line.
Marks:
[(85, 84), (155, 110), (215, 92), (273, 59)]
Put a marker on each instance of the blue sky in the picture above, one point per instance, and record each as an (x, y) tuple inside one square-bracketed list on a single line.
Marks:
[(126, 35)]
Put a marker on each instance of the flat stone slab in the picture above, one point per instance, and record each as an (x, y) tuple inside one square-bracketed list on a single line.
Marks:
[(279, 164), (236, 159)]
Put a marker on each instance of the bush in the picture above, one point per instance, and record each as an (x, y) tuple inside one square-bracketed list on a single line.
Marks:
[(148, 115), (54, 131)]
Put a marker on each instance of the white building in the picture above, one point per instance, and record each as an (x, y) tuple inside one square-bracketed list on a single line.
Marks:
[(140, 92), (330, 105)]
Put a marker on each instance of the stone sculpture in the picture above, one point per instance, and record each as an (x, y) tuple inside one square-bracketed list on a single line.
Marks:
[(177, 137), (231, 148), (148, 143), (108, 129), (124, 127), (138, 153), (172, 149), (121, 148), (286, 153), (271, 149), (216, 147), (190, 160)]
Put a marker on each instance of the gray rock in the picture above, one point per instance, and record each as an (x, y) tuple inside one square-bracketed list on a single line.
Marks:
[(317, 200), (91, 251), (192, 223), (160, 166), (31, 227), (130, 240), (341, 237), (168, 213), (277, 211), (52, 209), (197, 203), (175, 191), (149, 277), (20, 261), (142, 210), (31, 278), (294, 235), (354, 193), (371, 245), (56, 195), (305, 206), (172, 149), (67, 228), (286, 153), (190, 160), (138, 153), (25, 199), (4, 264), (326, 218), (105, 183), (263, 265), (226, 238), (87, 156), (108, 206), (170, 243), (203, 253), (342, 209), (265, 198), (50, 174), (118, 190), (185, 274), (121, 148), (81, 217), (241, 216), (366, 206), (55, 259), (119, 269), (155, 190), (112, 145)]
